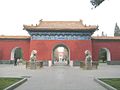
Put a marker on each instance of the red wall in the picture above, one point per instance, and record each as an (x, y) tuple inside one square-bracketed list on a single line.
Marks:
[(6, 47), (113, 46), (45, 48)]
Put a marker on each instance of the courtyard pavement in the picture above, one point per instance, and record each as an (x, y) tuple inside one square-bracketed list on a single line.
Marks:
[(60, 77)]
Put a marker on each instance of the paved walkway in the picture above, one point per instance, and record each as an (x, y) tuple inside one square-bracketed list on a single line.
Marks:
[(60, 77)]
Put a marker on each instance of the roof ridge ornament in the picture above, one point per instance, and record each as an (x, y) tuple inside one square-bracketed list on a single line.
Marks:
[(40, 20)]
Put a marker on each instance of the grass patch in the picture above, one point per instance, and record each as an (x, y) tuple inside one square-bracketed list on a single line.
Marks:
[(5, 82), (114, 82)]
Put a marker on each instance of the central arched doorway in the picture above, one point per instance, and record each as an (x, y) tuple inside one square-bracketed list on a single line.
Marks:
[(61, 55)]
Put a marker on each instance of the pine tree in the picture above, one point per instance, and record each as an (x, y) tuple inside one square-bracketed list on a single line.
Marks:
[(96, 3), (18, 53), (103, 55), (117, 30)]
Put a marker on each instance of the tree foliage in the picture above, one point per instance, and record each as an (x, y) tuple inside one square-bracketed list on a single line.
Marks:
[(103, 55), (18, 53), (117, 30), (96, 3)]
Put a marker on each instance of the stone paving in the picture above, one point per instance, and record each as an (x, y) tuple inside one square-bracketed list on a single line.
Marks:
[(60, 77)]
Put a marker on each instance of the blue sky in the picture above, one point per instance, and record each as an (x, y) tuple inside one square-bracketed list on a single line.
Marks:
[(15, 13)]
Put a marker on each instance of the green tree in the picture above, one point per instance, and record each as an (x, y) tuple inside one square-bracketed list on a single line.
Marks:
[(117, 30), (18, 53), (96, 3), (103, 55)]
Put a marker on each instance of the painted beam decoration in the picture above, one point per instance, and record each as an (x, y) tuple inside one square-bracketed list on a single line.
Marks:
[(60, 35)]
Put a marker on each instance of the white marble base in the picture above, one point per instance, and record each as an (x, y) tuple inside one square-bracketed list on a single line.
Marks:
[(50, 63), (71, 63)]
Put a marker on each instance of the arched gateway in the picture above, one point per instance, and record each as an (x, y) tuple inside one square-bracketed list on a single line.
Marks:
[(61, 55), (51, 39)]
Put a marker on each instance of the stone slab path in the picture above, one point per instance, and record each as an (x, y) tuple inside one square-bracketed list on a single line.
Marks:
[(60, 77)]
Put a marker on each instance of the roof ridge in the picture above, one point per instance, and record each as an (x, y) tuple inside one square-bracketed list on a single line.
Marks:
[(13, 37)]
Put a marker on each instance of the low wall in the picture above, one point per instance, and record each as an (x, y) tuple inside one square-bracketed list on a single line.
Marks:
[(6, 61), (114, 62), (76, 63)]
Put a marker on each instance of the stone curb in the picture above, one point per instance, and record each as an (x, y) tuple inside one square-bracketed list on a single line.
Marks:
[(108, 87), (15, 85)]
